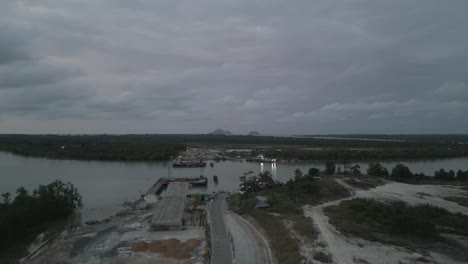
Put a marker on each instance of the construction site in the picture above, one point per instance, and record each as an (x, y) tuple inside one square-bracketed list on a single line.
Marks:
[(162, 226)]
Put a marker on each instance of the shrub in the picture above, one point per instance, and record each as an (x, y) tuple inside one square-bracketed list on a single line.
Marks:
[(322, 257)]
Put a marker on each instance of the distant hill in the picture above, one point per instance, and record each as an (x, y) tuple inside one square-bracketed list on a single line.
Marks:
[(253, 133), (220, 132)]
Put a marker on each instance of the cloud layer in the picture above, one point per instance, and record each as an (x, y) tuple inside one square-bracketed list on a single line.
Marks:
[(279, 67)]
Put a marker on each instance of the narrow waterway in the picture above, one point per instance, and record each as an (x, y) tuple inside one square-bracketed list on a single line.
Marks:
[(105, 186)]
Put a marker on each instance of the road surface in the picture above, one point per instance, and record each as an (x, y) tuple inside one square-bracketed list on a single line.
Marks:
[(244, 247), (221, 252), (250, 236)]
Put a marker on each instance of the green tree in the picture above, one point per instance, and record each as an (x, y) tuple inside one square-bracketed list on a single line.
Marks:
[(297, 173), (6, 198), (400, 172), (265, 179), (330, 168), (313, 172), (376, 169), (356, 170), (451, 175), (254, 184)]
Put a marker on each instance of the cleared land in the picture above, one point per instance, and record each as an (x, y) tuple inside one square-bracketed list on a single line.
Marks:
[(396, 223), (348, 247)]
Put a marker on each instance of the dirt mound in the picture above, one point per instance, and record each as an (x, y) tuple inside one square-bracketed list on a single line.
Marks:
[(193, 243), (140, 247), (156, 247), (171, 248)]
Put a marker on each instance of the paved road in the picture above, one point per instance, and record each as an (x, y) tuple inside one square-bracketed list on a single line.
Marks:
[(261, 247), (244, 247), (221, 252)]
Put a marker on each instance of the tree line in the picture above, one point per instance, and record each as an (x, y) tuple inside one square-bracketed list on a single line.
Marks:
[(402, 173), (399, 173), (99, 147), (162, 147), (423, 152)]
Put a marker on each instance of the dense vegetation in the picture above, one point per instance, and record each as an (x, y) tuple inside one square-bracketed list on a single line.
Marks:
[(453, 138), (426, 152), (103, 147), (303, 189), (28, 214), (396, 223), (162, 147)]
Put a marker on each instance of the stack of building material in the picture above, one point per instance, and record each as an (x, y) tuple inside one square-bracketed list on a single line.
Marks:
[(170, 210), (168, 214), (179, 189)]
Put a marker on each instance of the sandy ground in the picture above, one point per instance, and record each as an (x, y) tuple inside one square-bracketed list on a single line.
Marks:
[(307, 247), (346, 250), (125, 240)]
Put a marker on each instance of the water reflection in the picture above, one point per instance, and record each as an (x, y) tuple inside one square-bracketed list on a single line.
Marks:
[(273, 170)]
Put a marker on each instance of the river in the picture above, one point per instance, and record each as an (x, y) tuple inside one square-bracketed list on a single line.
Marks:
[(105, 186)]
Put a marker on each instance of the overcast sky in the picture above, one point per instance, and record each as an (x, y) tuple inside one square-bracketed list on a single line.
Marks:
[(278, 67)]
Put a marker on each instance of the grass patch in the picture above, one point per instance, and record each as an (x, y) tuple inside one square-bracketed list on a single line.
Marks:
[(397, 223), (304, 226), (422, 259), (463, 201), (322, 257), (308, 190), (423, 194), (284, 246), (360, 184)]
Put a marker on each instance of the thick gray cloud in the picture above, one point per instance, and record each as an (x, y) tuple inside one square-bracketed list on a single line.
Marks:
[(179, 66)]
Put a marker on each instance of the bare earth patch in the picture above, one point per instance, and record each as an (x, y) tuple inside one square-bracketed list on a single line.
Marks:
[(171, 248), (348, 249)]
